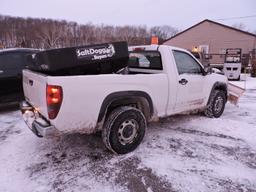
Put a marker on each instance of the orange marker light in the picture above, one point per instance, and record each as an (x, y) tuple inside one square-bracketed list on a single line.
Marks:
[(154, 40)]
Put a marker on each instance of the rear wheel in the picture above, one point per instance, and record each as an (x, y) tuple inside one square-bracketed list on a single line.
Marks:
[(124, 129), (216, 104)]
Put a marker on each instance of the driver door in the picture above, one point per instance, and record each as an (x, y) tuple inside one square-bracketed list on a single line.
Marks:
[(190, 85)]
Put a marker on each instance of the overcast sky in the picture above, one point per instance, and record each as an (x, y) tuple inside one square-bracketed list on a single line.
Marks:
[(179, 13)]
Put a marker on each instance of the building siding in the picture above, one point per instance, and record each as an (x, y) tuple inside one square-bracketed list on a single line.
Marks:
[(217, 37)]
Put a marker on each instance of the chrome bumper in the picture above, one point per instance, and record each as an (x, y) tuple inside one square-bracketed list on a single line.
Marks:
[(35, 122)]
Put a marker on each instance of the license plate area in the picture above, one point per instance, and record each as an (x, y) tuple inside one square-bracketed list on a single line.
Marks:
[(29, 117)]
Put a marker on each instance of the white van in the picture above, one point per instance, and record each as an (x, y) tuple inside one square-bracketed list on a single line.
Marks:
[(232, 64)]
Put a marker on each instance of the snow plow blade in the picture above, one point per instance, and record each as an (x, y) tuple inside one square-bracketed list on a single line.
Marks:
[(234, 93)]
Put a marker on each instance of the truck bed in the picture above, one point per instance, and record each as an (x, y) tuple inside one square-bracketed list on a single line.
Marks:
[(83, 95)]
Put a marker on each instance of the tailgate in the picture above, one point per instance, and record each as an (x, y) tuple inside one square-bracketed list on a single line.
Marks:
[(34, 86)]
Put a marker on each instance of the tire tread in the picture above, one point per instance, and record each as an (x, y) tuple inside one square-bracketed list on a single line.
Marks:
[(209, 109), (110, 121)]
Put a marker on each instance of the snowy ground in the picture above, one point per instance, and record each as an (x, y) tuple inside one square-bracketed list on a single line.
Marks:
[(181, 153)]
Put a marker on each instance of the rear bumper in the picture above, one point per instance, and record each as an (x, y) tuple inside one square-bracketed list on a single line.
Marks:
[(35, 122)]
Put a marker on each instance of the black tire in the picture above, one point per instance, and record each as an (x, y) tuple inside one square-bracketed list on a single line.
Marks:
[(124, 129), (216, 104)]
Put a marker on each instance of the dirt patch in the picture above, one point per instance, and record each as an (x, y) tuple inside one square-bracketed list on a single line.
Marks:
[(243, 154), (229, 185), (140, 179), (8, 131), (68, 162), (205, 134)]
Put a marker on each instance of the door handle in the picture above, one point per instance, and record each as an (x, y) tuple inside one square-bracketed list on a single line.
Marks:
[(1, 71), (183, 81), (30, 82)]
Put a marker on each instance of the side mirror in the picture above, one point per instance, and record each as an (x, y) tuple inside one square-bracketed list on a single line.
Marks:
[(207, 70)]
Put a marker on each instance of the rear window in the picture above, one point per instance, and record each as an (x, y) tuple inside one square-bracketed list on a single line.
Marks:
[(145, 60), (12, 60)]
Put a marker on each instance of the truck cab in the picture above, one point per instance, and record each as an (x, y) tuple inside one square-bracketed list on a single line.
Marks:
[(157, 81)]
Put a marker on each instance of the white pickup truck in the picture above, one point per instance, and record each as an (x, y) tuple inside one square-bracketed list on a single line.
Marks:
[(159, 81)]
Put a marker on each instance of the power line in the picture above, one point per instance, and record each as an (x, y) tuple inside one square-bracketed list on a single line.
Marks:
[(231, 18)]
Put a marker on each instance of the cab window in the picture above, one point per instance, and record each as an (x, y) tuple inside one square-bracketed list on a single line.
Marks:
[(145, 60), (186, 64)]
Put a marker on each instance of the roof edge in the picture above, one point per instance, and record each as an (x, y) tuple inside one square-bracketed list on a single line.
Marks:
[(214, 22)]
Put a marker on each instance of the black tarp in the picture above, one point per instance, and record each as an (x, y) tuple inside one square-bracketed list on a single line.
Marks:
[(92, 59)]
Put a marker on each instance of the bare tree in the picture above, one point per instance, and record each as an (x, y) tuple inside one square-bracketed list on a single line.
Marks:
[(164, 31), (48, 33)]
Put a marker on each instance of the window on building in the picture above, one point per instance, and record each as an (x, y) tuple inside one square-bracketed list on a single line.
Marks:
[(204, 48)]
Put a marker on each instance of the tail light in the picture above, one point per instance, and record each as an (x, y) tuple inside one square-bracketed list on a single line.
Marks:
[(54, 96)]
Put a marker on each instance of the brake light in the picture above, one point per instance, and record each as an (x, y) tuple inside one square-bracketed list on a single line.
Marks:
[(54, 96)]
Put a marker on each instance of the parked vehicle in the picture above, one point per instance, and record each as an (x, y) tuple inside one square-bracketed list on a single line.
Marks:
[(12, 62), (232, 64), (158, 81)]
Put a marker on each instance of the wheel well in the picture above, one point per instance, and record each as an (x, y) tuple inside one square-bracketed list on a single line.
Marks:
[(136, 102), (221, 87), (137, 99)]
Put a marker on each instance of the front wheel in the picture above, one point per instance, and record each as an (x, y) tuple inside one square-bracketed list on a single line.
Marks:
[(124, 129), (216, 104)]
